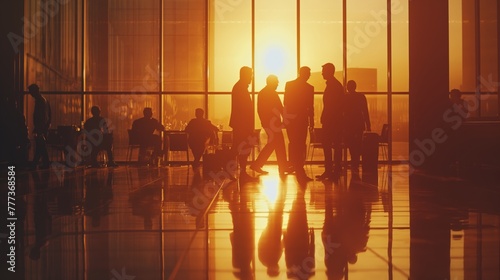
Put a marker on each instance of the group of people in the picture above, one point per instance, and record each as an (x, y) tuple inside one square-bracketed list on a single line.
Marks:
[(296, 115)]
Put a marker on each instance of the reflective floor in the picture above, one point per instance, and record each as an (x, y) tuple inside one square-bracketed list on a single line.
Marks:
[(169, 223)]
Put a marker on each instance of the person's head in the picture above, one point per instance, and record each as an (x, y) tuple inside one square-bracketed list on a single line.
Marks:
[(34, 90), (455, 94), (148, 112), (199, 113), (351, 86), (304, 73), (328, 70), (246, 74), (95, 111), (272, 81)]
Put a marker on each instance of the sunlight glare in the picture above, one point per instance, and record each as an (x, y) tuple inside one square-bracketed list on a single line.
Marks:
[(270, 189)]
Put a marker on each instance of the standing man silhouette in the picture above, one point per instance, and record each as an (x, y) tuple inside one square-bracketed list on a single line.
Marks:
[(270, 110), (42, 118), (241, 121), (331, 120), (356, 113), (299, 105)]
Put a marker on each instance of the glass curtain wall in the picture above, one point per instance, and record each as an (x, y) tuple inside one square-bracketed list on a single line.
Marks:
[(175, 55)]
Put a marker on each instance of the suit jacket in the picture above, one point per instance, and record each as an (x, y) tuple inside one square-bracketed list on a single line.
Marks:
[(333, 104), (299, 101), (242, 113), (269, 108)]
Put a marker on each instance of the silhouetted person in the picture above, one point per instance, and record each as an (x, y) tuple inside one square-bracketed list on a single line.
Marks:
[(270, 246), (241, 121), (102, 138), (331, 120), (42, 219), (200, 132), (357, 120), (299, 111), (42, 118), (144, 129), (299, 241), (270, 110), (459, 105)]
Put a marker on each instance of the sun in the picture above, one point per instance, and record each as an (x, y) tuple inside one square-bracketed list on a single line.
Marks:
[(274, 60)]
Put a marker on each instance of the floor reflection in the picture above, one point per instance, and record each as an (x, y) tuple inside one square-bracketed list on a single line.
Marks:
[(170, 223)]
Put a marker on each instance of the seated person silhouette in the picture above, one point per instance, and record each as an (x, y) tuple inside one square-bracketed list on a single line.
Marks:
[(144, 129), (200, 132), (99, 137)]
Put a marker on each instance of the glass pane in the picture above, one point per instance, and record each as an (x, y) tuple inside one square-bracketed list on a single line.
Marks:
[(366, 36), (184, 45), (178, 109), (121, 110), (400, 120), (489, 57), (456, 29), (400, 41), (320, 38), (122, 45), (219, 110), (275, 41), (230, 42), (53, 46), (468, 67)]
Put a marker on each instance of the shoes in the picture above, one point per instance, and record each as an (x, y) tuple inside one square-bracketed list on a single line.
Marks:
[(286, 171), (258, 169), (304, 179), (324, 176), (244, 177)]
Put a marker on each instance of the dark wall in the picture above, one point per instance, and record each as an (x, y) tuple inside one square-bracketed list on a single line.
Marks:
[(11, 47)]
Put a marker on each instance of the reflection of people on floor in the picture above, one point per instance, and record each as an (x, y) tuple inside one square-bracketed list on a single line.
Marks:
[(102, 138), (200, 131), (146, 203), (144, 129), (243, 235), (347, 224), (270, 247), (42, 217), (98, 195), (299, 241)]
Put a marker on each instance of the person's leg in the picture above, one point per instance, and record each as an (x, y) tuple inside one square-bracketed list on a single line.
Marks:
[(44, 152), (37, 153), (337, 156), (265, 153), (327, 141), (355, 150), (197, 150), (279, 147), (242, 148)]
